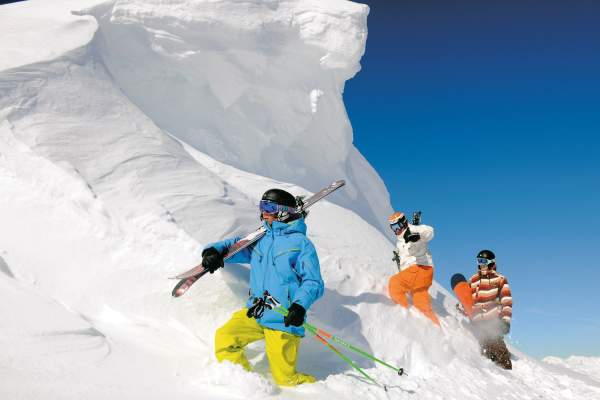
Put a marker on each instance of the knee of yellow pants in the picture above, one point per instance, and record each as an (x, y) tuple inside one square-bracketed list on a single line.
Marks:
[(234, 336), (282, 352)]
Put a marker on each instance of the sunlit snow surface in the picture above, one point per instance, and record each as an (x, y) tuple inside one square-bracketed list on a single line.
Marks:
[(584, 365), (134, 132)]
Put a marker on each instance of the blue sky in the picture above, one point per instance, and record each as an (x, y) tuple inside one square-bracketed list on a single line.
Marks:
[(486, 116)]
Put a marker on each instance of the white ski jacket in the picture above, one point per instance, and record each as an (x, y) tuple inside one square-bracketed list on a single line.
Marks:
[(415, 253)]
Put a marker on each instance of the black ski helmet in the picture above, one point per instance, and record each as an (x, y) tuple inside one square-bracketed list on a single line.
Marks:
[(487, 254), (280, 196)]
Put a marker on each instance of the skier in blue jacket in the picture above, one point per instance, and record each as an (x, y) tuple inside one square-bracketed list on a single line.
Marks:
[(283, 262)]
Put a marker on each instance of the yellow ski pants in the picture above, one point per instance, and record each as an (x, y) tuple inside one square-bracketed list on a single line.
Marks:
[(281, 347)]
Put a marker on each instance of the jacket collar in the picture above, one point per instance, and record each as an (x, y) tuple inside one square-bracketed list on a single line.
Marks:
[(283, 228)]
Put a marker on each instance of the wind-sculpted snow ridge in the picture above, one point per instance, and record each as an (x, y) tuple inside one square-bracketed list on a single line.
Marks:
[(255, 84), (101, 202), (28, 37)]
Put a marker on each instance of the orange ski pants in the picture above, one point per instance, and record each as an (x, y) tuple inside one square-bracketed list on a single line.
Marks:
[(414, 280)]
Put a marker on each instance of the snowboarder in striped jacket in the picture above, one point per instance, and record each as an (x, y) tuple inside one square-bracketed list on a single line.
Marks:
[(489, 306)]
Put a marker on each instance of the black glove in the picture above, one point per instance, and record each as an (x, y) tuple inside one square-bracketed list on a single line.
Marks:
[(295, 315), (212, 260), (410, 237), (504, 327), (416, 220), (300, 204)]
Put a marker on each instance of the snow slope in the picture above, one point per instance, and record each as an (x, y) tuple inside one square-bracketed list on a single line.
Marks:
[(114, 174), (584, 365)]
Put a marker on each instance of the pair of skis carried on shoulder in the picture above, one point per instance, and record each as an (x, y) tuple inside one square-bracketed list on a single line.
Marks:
[(188, 278)]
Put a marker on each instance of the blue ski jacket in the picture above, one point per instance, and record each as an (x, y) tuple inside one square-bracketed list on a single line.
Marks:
[(284, 262)]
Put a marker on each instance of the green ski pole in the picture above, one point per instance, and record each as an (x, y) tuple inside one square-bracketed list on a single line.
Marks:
[(257, 310), (341, 355), (321, 335), (276, 306), (399, 371)]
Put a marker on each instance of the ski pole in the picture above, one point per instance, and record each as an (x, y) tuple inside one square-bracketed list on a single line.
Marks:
[(282, 310), (257, 310), (342, 356), (399, 371)]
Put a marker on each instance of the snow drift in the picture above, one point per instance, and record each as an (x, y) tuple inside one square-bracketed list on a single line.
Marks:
[(146, 129), (257, 85)]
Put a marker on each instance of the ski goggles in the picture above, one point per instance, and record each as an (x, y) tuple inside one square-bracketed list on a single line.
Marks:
[(398, 225), (484, 261), (270, 207)]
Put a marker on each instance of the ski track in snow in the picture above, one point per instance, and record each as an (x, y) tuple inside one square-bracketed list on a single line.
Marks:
[(105, 193)]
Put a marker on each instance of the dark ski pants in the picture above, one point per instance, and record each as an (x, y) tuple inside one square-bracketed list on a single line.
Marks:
[(495, 349)]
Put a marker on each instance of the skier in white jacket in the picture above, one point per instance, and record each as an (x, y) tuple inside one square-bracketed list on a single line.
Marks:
[(415, 264)]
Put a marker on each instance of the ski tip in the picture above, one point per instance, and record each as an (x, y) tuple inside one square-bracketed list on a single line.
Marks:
[(180, 288), (185, 284)]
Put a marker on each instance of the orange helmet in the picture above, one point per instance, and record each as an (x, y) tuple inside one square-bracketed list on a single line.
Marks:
[(398, 222)]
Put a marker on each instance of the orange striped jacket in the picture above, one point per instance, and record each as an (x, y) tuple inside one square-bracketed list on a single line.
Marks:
[(491, 297)]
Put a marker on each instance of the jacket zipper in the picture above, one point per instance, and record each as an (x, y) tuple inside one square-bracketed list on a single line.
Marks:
[(267, 255)]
